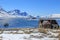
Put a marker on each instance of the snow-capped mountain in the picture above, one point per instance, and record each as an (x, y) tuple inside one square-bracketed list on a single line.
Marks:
[(17, 12), (3, 13), (55, 15), (14, 13), (51, 16), (23, 14)]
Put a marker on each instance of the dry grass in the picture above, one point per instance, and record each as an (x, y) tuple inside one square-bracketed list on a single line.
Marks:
[(42, 30), (1, 37), (1, 32), (56, 32), (27, 32)]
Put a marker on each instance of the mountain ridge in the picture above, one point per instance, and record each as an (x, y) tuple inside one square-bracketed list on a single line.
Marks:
[(14, 13)]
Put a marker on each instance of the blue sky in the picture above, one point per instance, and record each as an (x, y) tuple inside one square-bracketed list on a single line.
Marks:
[(33, 7)]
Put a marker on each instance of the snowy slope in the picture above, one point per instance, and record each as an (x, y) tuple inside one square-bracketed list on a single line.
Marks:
[(3, 13), (34, 35), (55, 15), (51, 16)]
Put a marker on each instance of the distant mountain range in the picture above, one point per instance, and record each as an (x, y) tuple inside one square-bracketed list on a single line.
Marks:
[(18, 13), (57, 16), (15, 13)]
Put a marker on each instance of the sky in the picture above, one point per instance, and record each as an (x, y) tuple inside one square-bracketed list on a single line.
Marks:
[(33, 7)]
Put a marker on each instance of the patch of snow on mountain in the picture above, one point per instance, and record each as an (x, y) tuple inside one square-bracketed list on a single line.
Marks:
[(55, 15)]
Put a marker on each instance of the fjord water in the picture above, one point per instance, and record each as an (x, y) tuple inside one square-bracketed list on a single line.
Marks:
[(19, 23)]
